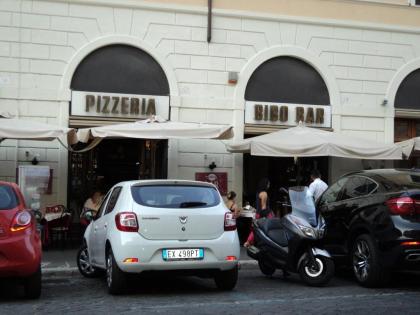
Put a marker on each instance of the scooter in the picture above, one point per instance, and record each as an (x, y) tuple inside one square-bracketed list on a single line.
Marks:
[(293, 243)]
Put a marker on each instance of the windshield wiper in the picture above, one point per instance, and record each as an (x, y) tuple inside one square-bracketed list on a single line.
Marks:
[(192, 204)]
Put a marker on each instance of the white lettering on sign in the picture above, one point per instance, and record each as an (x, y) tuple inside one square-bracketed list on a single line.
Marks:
[(118, 105), (286, 114)]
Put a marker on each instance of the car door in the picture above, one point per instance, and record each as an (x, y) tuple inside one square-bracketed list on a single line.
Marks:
[(93, 240), (103, 223), (330, 204)]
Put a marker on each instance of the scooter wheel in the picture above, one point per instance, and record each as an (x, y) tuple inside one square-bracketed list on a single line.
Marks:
[(317, 274), (265, 268)]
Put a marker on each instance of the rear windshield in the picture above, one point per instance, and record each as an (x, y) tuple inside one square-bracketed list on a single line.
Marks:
[(175, 196), (8, 198)]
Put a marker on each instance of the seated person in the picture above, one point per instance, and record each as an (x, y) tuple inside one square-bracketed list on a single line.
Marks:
[(91, 204)]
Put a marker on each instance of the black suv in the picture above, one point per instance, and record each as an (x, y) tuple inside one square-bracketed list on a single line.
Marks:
[(373, 222)]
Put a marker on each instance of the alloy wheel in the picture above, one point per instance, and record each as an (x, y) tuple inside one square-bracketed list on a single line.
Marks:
[(314, 269), (361, 260), (84, 262)]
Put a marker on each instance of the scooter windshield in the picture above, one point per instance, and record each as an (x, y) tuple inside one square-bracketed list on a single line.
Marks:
[(303, 205)]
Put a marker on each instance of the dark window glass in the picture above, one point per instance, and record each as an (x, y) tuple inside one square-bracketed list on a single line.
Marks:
[(102, 207), (171, 196), (287, 80), (408, 94), (113, 200), (333, 192), (8, 199), (356, 187), (120, 69)]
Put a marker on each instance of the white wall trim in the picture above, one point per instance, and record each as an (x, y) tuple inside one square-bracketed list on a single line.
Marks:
[(65, 92), (250, 15)]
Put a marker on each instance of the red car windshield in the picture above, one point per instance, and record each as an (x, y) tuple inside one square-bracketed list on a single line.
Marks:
[(8, 199)]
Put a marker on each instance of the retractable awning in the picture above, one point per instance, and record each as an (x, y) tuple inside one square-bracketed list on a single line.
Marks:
[(303, 141), (157, 129)]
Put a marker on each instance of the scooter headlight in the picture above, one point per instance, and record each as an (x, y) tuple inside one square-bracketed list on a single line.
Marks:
[(309, 232)]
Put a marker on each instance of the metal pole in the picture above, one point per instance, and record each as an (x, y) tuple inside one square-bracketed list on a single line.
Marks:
[(209, 20)]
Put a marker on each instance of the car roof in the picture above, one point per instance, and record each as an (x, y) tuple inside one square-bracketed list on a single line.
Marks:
[(392, 179), (385, 172), (153, 182), (14, 185)]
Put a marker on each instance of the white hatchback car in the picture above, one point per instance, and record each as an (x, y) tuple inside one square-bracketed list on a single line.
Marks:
[(161, 225)]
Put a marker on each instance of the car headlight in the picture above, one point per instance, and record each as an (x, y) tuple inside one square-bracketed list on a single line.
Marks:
[(307, 231)]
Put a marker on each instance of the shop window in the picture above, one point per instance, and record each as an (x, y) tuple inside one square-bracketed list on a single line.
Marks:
[(287, 80)]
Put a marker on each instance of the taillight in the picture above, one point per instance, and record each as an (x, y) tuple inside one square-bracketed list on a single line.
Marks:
[(126, 222), (230, 222), (403, 206), (21, 221)]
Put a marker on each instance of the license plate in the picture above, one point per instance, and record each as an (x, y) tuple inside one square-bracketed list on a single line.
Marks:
[(183, 254)]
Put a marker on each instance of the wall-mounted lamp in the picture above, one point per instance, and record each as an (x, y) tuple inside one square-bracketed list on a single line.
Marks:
[(212, 165), (233, 77), (384, 102)]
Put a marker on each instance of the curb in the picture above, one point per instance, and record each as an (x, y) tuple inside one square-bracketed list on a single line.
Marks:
[(61, 271)]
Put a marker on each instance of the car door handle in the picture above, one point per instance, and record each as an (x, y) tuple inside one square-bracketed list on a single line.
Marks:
[(105, 226)]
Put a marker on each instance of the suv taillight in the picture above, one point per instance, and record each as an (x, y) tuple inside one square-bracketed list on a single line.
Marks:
[(21, 221), (126, 222), (230, 222), (403, 206)]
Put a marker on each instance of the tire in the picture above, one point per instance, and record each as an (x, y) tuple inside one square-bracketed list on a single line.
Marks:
[(265, 268), (115, 277), (366, 264), (84, 265), (226, 280), (32, 285), (318, 275)]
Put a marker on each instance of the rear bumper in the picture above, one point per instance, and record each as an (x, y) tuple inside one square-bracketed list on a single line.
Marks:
[(149, 253), (20, 255)]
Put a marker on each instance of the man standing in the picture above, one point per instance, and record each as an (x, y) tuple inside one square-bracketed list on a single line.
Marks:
[(318, 186)]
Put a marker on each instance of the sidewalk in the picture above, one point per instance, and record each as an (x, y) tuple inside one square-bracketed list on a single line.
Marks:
[(64, 261)]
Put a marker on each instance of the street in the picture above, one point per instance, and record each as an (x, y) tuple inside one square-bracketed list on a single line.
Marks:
[(255, 294)]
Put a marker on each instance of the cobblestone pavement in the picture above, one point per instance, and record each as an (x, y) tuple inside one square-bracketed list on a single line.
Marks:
[(255, 294)]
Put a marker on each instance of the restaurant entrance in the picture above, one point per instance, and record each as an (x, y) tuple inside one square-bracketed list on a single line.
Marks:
[(113, 161), (281, 172)]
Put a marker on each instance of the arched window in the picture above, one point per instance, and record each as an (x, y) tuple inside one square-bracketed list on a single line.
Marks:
[(287, 80), (408, 94), (120, 69)]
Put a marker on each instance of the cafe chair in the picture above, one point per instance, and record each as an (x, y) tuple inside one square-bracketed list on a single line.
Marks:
[(59, 228)]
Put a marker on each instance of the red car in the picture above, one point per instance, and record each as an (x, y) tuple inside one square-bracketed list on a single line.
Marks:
[(20, 242)]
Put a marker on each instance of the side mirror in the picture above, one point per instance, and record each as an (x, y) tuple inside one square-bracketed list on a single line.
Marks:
[(89, 216)]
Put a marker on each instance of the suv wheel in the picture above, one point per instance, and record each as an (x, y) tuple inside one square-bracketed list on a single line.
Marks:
[(226, 280), (366, 262), (32, 285), (84, 265), (115, 277)]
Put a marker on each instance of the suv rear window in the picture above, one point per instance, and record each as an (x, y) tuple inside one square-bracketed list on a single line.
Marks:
[(175, 196), (8, 198)]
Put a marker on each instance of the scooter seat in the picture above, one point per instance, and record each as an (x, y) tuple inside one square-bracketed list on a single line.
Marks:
[(273, 228)]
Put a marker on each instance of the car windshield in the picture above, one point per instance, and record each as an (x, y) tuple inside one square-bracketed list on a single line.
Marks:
[(303, 205), (175, 196), (8, 198)]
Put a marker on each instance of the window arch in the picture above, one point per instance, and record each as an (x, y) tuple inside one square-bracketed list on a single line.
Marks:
[(408, 93), (120, 69), (288, 80)]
